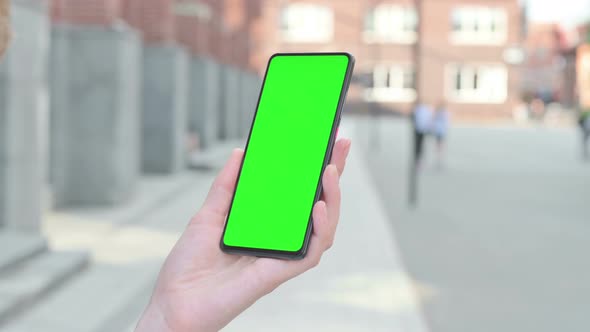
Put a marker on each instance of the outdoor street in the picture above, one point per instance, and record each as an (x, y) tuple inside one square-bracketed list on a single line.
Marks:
[(361, 284), (116, 116), (497, 243), (500, 237)]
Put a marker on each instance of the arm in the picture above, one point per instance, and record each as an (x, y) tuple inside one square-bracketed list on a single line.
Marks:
[(200, 288)]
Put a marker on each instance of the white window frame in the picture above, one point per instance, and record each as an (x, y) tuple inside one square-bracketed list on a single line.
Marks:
[(476, 25), (391, 90), (389, 24), (307, 23), (492, 83), (193, 9)]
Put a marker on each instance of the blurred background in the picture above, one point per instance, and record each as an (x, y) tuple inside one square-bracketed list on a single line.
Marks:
[(466, 197)]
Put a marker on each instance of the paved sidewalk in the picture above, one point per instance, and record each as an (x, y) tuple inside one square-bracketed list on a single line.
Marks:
[(361, 284), (127, 244), (500, 235)]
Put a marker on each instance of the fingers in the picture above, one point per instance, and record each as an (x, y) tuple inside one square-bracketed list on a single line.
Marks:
[(326, 214), (325, 220), (220, 195), (339, 154), (274, 272), (331, 203)]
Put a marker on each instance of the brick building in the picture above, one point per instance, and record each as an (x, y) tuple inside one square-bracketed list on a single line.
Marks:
[(462, 46), (549, 71), (543, 73), (218, 29)]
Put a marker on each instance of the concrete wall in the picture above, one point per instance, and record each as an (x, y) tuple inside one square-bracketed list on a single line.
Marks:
[(204, 99), (22, 99), (95, 82), (164, 102), (249, 91), (229, 103)]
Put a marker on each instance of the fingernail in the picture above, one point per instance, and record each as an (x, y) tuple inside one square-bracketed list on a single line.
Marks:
[(332, 169), (347, 144)]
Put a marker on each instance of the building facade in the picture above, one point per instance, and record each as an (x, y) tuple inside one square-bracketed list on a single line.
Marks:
[(542, 72), (459, 54), (550, 69)]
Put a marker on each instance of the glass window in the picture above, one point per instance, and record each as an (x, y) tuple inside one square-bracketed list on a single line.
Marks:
[(478, 83), (393, 83), (306, 22), (391, 24), (479, 25)]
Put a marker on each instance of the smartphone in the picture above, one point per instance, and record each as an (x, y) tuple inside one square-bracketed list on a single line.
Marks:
[(289, 145)]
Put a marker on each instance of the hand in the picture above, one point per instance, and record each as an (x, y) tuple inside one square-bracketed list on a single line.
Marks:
[(200, 288)]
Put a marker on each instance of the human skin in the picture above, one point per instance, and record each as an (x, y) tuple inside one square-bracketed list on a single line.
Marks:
[(200, 288), (4, 25)]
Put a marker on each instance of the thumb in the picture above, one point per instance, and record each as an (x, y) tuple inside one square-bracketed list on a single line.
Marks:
[(219, 198)]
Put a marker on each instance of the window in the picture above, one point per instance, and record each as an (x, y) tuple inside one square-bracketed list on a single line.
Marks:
[(477, 83), (391, 24), (479, 25), (309, 23), (391, 83), (193, 9)]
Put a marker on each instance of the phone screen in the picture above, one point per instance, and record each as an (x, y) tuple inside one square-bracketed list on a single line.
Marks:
[(286, 151)]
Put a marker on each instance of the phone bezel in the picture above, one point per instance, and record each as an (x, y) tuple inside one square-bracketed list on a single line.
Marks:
[(299, 254)]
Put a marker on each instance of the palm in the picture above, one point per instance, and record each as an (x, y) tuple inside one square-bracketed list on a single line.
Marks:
[(199, 281)]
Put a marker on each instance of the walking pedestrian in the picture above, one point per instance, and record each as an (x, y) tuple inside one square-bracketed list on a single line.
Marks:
[(440, 128), (4, 26), (584, 123), (421, 120)]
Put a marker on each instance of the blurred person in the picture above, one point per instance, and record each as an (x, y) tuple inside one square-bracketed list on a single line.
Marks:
[(199, 287), (440, 128), (4, 25), (421, 121), (584, 122), (537, 108)]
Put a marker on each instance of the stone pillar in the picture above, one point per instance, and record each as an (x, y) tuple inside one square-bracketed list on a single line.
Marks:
[(230, 102), (197, 30), (204, 99), (248, 102), (164, 102), (95, 83), (164, 85), (22, 99)]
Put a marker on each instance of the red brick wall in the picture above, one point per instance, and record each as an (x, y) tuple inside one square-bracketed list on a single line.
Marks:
[(239, 18), (194, 31), (153, 18), (225, 35), (437, 50), (86, 12), (202, 33)]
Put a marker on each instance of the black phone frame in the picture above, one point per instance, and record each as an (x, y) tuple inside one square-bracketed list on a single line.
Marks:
[(299, 254)]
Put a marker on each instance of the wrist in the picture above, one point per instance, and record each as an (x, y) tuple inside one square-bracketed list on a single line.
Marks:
[(152, 320)]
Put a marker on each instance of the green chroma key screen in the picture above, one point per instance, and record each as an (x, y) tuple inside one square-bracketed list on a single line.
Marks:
[(285, 153)]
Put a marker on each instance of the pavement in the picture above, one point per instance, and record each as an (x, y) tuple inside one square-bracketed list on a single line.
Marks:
[(127, 245), (499, 238), (361, 285)]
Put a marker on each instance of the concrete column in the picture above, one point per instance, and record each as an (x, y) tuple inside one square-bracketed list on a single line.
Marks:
[(22, 99), (230, 103), (254, 86), (164, 102), (95, 82), (248, 101), (204, 99)]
